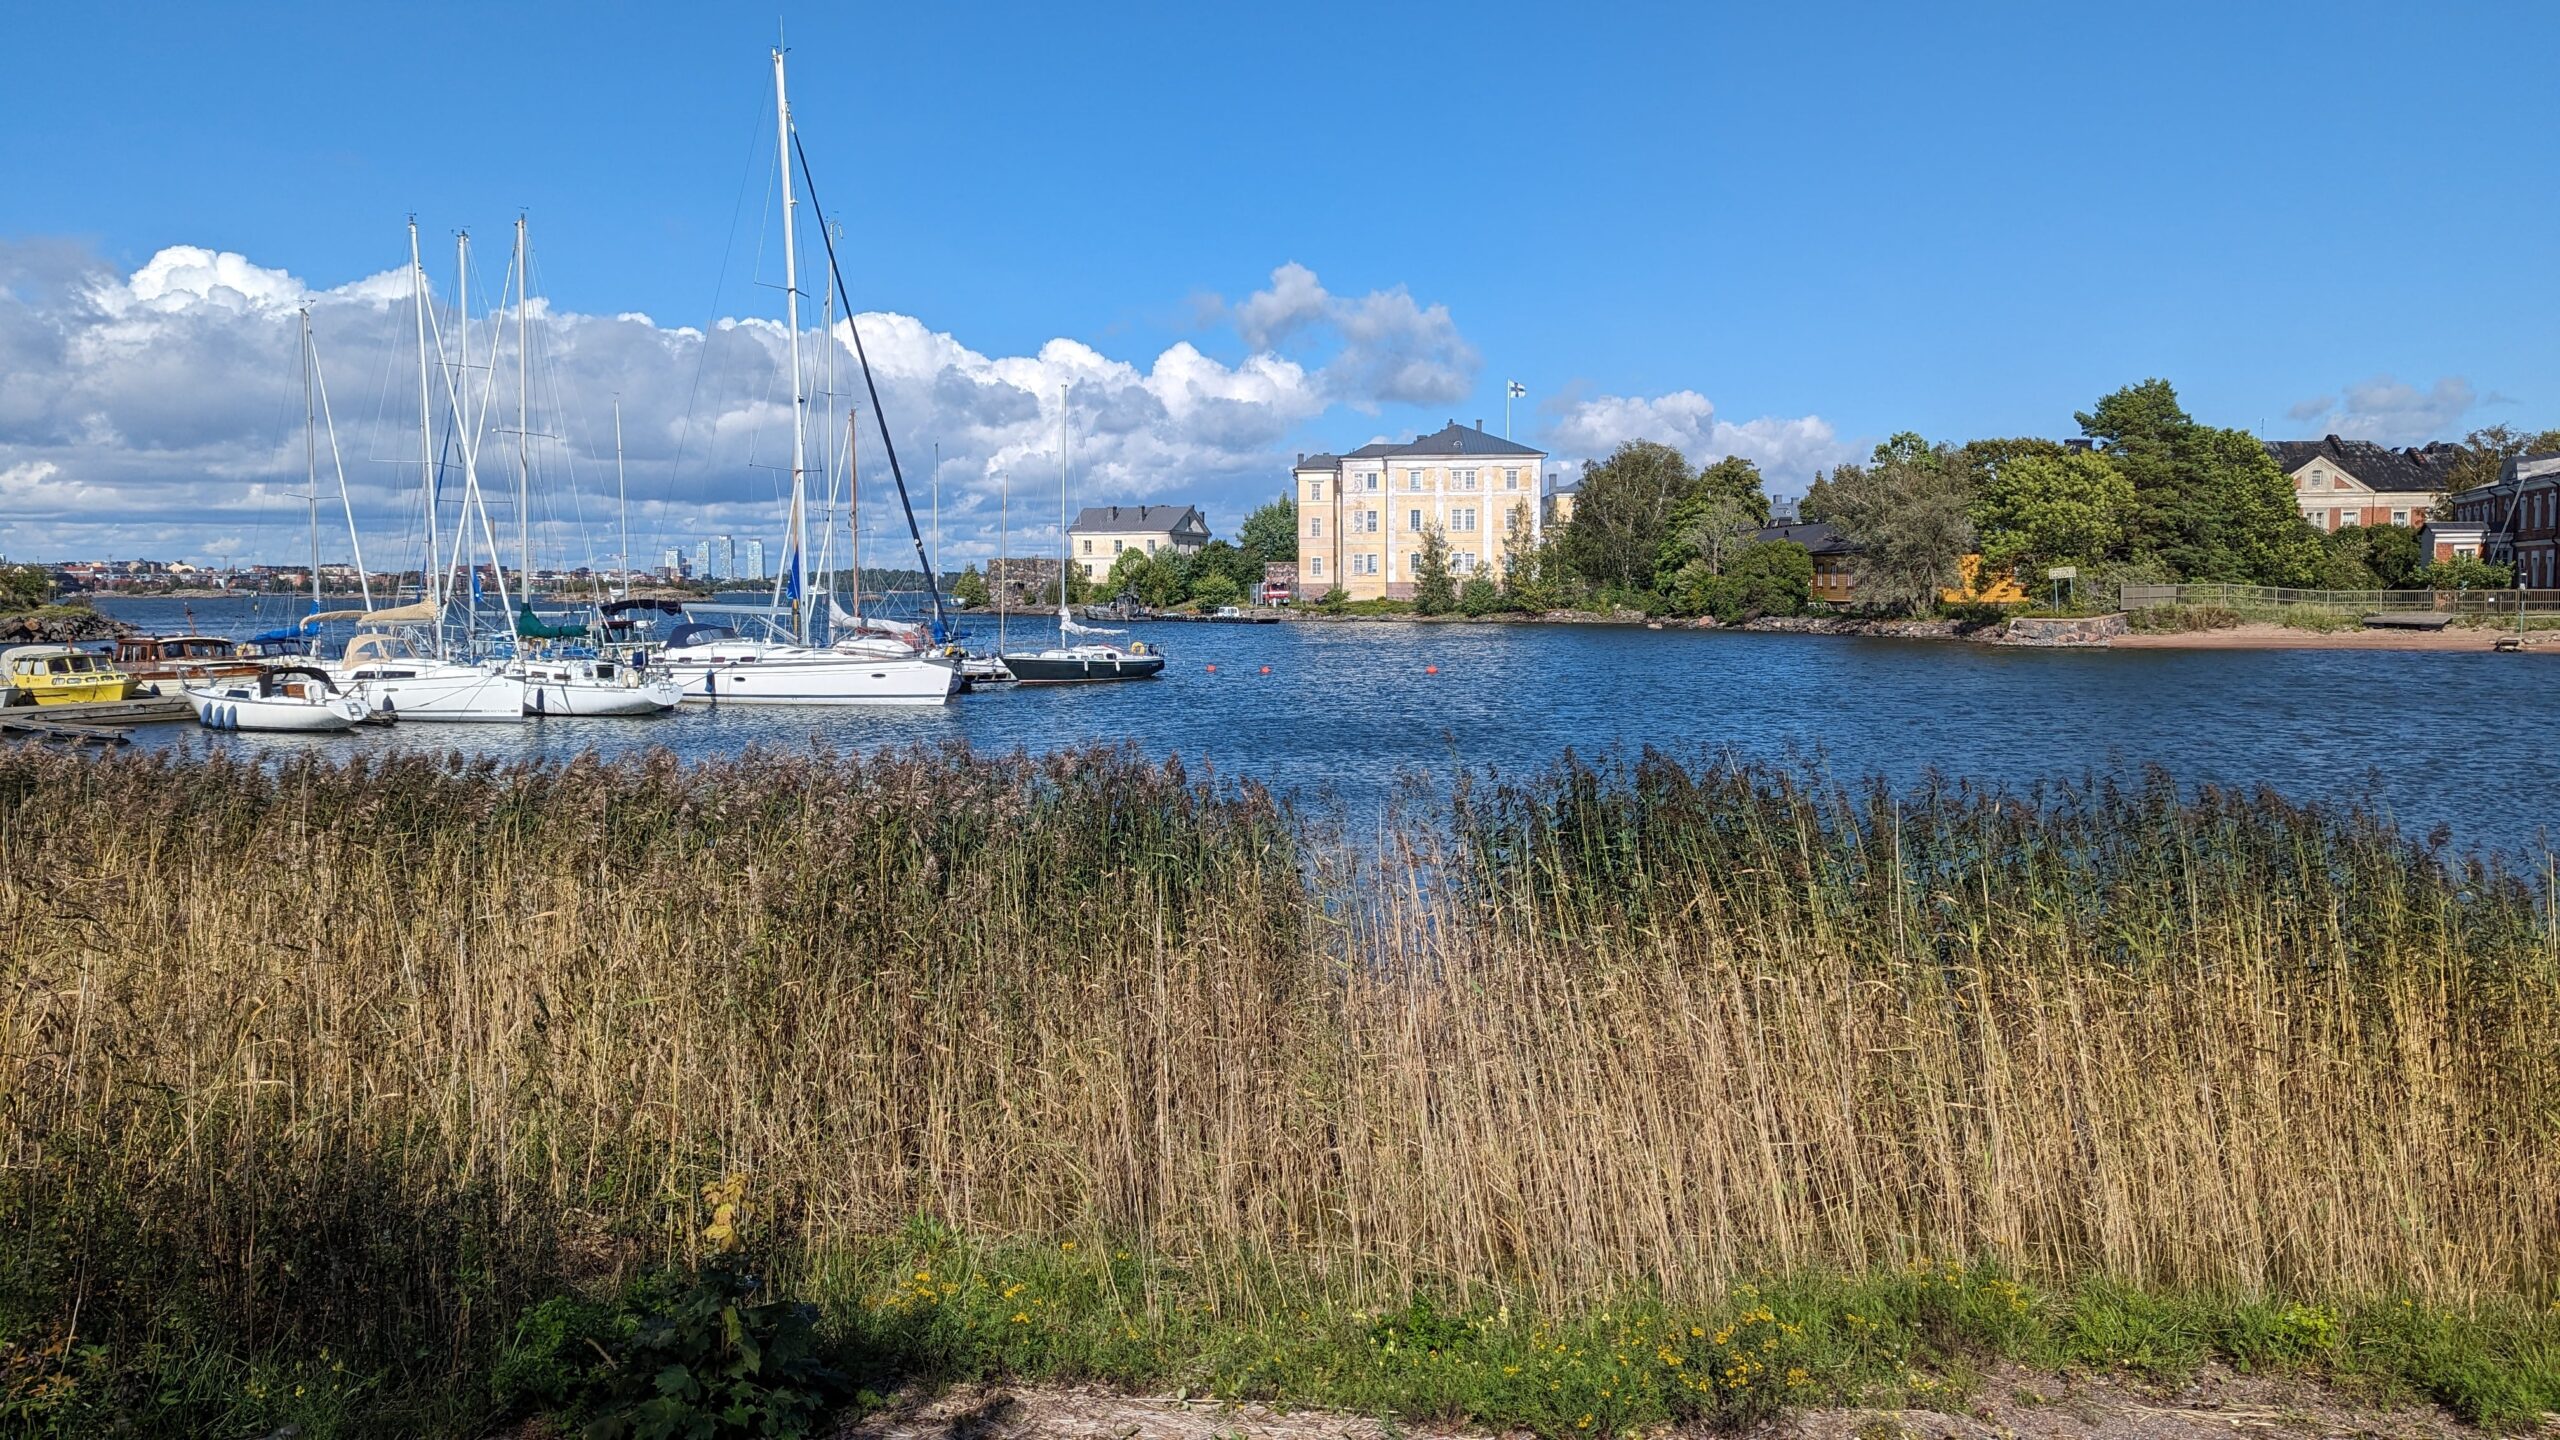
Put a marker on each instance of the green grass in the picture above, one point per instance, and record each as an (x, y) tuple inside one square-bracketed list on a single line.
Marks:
[(930, 1304)]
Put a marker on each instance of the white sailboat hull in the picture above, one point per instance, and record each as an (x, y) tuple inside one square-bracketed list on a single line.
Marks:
[(237, 708), (601, 697), (792, 675), (441, 694)]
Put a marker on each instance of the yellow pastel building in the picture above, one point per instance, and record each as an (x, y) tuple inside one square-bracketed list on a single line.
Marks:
[(1363, 517)]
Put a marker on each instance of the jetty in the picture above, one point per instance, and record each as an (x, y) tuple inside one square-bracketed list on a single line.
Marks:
[(91, 722)]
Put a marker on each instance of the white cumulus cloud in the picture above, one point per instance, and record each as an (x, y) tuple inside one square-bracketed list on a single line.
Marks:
[(160, 412), (1788, 449)]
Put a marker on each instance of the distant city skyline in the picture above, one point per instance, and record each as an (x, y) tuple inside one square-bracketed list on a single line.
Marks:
[(1781, 234)]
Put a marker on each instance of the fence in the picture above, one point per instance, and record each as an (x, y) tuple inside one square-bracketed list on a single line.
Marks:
[(2341, 602)]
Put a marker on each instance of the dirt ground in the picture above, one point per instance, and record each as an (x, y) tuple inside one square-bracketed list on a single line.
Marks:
[(2011, 1404), (2263, 636)]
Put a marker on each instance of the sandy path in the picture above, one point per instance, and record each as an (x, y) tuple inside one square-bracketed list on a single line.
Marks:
[(2012, 1404)]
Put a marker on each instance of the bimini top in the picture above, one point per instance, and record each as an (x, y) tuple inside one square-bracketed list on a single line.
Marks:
[(699, 634)]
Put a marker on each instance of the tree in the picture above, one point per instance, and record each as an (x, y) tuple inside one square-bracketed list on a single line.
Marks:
[(1222, 559), (1729, 504), (1910, 516), (1128, 573), (24, 587), (1215, 589), (1623, 513), (1766, 577), (970, 588), (1435, 592), (2036, 509), (1271, 533), (2208, 503), (2487, 450), (2370, 557), (2466, 572), (1536, 579), (1479, 596), (1160, 581)]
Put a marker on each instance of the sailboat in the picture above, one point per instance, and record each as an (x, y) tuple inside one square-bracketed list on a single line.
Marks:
[(557, 683), (1073, 661), (402, 677), (713, 662)]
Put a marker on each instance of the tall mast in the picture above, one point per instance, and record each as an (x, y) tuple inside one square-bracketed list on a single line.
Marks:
[(1004, 567), (796, 545), (1063, 401), (524, 439), (853, 498), (311, 458), (935, 580), (621, 500), (428, 578), (469, 442)]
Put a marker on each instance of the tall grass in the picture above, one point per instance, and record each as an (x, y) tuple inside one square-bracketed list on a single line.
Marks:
[(373, 1055)]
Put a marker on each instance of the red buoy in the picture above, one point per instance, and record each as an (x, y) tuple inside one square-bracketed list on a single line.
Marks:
[(1213, 669), (1266, 669), (1430, 669)]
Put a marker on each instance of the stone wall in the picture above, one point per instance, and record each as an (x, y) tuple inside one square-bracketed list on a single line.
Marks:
[(2083, 630)]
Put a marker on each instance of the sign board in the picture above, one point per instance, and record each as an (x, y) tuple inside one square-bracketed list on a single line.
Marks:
[(2063, 572)]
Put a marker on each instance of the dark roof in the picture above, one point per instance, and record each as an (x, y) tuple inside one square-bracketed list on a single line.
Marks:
[(2378, 467), (1451, 439), (1814, 535), (1162, 519)]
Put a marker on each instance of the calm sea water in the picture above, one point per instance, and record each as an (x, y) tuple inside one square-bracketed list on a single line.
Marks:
[(1349, 712)]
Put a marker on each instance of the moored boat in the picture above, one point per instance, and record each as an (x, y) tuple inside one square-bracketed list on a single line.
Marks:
[(1072, 664), (282, 698), (602, 685), (60, 675), (182, 659)]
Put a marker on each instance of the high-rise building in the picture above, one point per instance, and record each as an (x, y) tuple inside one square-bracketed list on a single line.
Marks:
[(724, 557), (752, 553), (702, 561), (671, 560)]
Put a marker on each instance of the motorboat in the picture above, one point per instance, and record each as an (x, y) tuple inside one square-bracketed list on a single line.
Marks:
[(288, 698), (595, 685), (181, 660), (1072, 664), (60, 675), (714, 664), (409, 686)]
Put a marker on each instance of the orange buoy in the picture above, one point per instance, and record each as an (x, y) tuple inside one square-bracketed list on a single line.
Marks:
[(1266, 669), (1213, 669), (1430, 669)]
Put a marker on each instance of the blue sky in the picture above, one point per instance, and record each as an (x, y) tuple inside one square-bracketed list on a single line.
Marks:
[(1960, 220)]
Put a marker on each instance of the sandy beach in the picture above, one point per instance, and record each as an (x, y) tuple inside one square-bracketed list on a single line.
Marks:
[(2264, 636)]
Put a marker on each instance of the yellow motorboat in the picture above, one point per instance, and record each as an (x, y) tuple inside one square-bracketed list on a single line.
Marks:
[(60, 675)]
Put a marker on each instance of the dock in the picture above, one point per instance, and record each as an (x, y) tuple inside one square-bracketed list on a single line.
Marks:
[(2409, 620), (91, 722)]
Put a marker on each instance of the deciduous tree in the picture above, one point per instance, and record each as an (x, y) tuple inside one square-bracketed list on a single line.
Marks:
[(1271, 533), (2037, 509), (1623, 512), (1910, 516)]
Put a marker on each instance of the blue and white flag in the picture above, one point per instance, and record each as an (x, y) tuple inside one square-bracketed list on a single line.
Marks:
[(1518, 390)]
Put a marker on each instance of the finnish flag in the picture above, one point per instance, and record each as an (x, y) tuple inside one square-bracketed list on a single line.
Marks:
[(1518, 390)]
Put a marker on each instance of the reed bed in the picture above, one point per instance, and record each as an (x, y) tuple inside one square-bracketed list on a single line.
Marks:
[(379, 1053)]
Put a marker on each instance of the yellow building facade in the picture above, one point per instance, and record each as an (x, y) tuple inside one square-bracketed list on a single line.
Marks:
[(1363, 517)]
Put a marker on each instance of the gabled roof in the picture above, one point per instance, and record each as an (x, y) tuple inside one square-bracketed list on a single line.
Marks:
[(2377, 467), (1152, 519), (1815, 535), (1319, 461)]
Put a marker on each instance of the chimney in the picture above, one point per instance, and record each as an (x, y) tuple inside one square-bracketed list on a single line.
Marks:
[(1479, 422)]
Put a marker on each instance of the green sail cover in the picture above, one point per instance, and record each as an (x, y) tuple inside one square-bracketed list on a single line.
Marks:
[(530, 626)]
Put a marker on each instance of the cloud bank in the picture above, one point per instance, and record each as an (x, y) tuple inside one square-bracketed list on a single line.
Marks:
[(160, 413)]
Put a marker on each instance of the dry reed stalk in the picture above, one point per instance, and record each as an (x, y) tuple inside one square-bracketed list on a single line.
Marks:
[(410, 1038)]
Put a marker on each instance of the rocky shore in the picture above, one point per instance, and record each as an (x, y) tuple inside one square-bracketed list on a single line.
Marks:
[(60, 625)]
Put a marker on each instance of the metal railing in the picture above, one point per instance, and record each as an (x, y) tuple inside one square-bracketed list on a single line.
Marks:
[(2132, 596)]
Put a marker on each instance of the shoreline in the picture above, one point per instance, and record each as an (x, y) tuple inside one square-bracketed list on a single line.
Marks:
[(2252, 635)]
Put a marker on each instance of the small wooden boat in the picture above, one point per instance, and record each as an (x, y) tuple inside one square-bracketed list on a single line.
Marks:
[(60, 675), (176, 660), (290, 698)]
